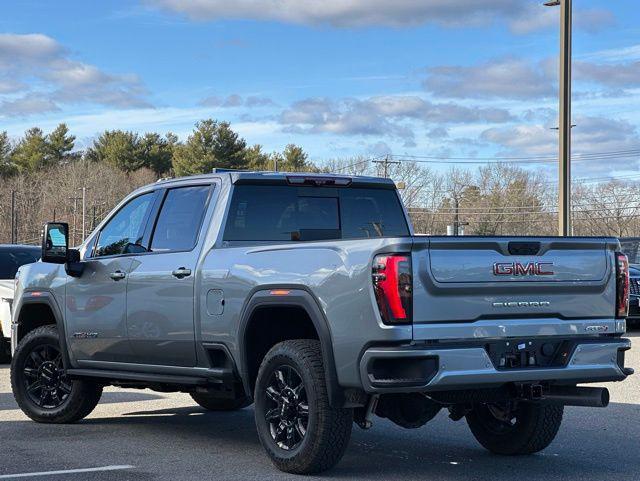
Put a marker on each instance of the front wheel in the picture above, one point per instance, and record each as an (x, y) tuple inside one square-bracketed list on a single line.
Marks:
[(297, 426), (515, 428), (40, 384)]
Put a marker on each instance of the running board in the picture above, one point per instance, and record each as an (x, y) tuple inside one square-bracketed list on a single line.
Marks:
[(142, 377)]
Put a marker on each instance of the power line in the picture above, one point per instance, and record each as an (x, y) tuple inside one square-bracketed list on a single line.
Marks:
[(435, 159), (621, 153)]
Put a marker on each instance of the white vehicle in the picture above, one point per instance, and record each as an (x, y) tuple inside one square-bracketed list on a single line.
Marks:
[(12, 256)]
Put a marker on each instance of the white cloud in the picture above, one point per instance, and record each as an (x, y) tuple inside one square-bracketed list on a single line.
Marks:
[(521, 79), (235, 100), (590, 135), (391, 116), (37, 75), (502, 78), (522, 16), (619, 75), (631, 52), (26, 105)]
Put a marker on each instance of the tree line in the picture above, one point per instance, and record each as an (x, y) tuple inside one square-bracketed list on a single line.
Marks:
[(48, 177), (212, 144)]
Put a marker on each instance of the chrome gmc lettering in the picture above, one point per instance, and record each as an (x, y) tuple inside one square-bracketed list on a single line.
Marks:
[(519, 269)]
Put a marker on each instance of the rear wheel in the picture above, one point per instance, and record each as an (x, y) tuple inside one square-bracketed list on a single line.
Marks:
[(211, 403), (297, 426), (40, 384), (515, 428)]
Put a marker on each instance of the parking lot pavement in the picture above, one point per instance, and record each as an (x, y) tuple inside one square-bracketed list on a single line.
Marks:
[(142, 435)]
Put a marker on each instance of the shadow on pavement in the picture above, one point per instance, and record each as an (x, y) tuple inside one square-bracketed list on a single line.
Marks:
[(592, 443), (7, 402)]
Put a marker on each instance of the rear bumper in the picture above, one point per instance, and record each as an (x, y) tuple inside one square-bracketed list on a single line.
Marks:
[(442, 368)]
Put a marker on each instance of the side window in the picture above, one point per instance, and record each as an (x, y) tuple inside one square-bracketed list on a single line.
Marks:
[(180, 219), (123, 233), (281, 214), (370, 213)]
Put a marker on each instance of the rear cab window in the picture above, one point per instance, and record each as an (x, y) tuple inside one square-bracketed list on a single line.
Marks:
[(291, 213), (180, 219)]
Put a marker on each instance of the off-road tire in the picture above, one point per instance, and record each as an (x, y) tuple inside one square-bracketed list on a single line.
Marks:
[(212, 403), (82, 399), (328, 429), (536, 426)]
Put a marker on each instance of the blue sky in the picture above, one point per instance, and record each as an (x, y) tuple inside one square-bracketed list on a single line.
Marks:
[(441, 78)]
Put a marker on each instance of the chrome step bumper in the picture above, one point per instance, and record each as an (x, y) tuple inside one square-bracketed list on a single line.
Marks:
[(471, 368)]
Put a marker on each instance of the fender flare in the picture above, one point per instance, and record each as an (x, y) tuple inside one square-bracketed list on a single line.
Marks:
[(297, 297), (44, 297)]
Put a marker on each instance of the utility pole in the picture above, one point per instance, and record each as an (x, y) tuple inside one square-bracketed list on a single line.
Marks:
[(564, 130), (84, 212), (75, 209), (457, 225), (385, 165), (456, 218), (13, 217)]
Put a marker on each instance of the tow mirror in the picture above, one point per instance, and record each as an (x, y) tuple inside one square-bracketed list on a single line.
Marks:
[(55, 242)]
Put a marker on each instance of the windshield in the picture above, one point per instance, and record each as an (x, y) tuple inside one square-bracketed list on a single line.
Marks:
[(630, 248), (10, 261)]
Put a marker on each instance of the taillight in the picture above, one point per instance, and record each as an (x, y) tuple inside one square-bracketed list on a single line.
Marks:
[(622, 285), (392, 284)]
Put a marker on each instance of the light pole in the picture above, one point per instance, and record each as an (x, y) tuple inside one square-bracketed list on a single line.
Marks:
[(84, 211), (564, 130)]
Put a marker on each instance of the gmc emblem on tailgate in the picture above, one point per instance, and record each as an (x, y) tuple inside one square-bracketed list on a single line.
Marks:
[(519, 269)]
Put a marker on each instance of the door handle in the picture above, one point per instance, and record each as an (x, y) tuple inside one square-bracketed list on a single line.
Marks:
[(117, 275), (181, 272)]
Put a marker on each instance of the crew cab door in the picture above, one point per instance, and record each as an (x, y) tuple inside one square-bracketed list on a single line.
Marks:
[(95, 309), (160, 286)]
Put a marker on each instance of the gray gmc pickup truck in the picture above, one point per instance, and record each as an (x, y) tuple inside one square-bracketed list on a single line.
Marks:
[(310, 296)]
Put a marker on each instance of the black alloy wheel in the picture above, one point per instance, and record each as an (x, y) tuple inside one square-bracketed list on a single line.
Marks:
[(40, 384), (297, 426), (288, 410), (45, 381)]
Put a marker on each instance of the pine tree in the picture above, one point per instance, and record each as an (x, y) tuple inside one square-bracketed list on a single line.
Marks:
[(59, 144), (7, 166), (119, 148), (31, 152), (212, 144)]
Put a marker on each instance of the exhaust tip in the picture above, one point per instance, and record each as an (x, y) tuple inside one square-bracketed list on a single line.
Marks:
[(579, 396)]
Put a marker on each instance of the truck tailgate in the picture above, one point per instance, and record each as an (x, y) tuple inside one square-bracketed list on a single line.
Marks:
[(479, 279)]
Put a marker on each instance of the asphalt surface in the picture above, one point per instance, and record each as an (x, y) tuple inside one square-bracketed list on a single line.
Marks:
[(143, 435)]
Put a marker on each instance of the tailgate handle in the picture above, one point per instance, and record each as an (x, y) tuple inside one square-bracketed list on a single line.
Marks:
[(524, 248)]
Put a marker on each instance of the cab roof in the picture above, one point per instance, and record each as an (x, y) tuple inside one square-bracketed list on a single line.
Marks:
[(290, 178)]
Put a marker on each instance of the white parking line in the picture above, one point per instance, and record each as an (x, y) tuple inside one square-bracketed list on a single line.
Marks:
[(67, 471)]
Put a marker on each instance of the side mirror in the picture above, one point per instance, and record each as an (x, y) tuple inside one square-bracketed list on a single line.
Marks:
[(55, 242)]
